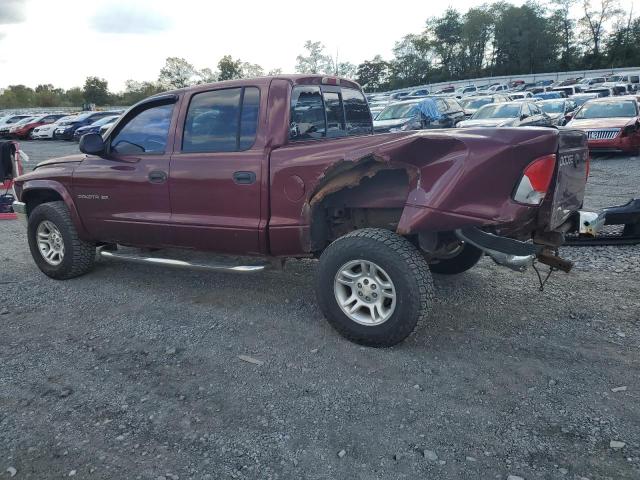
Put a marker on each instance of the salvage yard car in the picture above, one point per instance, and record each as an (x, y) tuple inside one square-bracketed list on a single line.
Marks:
[(287, 167), (46, 131), (509, 114), (612, 124), (25, 129), (559, 111), (429, 112)]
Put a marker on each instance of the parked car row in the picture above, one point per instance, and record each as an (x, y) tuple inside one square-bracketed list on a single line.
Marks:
[(611, 123), (57, 126)]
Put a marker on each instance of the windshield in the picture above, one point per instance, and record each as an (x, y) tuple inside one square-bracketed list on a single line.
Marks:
[(399, 110), (552, 107), (497, 111), (475, 103), (607, 110)]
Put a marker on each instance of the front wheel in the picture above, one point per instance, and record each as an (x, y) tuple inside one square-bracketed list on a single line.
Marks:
[(373, 286), (54, 243)]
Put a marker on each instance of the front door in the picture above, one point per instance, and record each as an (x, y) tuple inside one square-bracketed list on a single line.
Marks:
[(217, 171), (123, 196)]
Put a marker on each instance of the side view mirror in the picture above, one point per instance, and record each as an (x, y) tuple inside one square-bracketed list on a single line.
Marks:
[(523, 116), (92, 144)]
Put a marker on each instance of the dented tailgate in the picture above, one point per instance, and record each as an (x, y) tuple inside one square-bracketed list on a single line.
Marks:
[(571, 173)]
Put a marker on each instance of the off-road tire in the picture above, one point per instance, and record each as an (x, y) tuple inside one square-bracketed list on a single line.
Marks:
[(79, 256), (406, 268), (463, 261)]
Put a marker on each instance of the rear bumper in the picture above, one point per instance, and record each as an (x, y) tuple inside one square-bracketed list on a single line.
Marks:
[(20, 209), (518, 255)]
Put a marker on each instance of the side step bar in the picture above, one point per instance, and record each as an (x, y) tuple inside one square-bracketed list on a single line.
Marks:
[(169, 262)]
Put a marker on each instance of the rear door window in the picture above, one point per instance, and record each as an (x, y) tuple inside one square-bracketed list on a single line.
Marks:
[(221, 120)]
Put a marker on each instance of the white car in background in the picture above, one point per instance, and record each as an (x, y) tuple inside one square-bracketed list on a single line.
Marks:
[(46, 131)]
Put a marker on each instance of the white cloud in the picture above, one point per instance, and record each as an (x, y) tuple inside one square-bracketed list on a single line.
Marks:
[(129, 18), (12, 11), (62, 42)]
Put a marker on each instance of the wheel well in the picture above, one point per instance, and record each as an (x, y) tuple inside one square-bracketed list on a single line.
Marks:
[(372, 194), (36, 197)]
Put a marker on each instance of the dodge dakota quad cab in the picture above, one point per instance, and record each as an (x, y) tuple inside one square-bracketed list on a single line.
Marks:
[(288, 166)]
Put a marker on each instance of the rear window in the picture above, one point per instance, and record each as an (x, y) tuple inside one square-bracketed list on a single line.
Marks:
[(325, 114), (356, 110)]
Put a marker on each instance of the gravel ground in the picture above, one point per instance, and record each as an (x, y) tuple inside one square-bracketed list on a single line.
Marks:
[(137, 372)]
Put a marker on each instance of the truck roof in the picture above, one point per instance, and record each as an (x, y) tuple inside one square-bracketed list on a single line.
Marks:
[(295, 79)]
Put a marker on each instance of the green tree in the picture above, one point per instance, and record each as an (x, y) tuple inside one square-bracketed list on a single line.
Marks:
[(74, 97), (96, 91), (251, 70), (206, 75), (566, 26), (314, 60), (622, 45), (593, 23), (177, 73), (136, 91), (413, 61), (524, 41), (475, 35), (373, 75), (447, 36), (229, 68)]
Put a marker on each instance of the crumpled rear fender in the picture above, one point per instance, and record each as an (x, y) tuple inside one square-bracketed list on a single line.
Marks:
[(466, 178)]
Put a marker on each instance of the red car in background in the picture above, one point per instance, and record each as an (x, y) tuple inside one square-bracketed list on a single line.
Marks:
[(23, 131), (612, 124)]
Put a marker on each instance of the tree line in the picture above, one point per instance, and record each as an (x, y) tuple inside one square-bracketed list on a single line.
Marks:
[(494, 39)]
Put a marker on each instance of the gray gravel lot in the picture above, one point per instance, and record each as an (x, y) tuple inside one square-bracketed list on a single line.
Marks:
[(134, 371)]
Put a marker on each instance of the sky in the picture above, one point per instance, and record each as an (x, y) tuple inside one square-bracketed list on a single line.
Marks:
[(64, 41)]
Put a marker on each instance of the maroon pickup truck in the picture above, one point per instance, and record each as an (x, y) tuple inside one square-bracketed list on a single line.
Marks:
[(288, 166)]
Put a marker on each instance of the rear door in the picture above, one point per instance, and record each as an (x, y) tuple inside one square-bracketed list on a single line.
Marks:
[(216, 174)]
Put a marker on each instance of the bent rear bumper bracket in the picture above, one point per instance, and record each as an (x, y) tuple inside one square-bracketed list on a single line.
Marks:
[(508, 252)]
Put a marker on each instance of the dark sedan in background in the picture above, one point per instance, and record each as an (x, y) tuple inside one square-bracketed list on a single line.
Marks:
[(67, 129), (430, 112), (95, 127), (509, 114)]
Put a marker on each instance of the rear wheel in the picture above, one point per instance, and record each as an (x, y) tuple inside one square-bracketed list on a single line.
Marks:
[(54, 242), (373, 286), (466, 257)]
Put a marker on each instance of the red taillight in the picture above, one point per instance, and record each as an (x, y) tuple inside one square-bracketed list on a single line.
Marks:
[(536, 180)]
